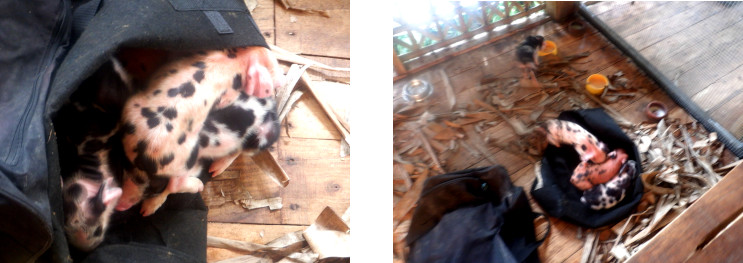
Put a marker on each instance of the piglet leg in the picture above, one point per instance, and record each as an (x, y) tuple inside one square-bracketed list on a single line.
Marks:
[(221, 164), (131, 195), (179, 184)]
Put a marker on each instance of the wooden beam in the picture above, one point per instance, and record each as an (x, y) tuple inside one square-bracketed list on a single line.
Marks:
[(399, 67), (465, 35), (454, 54), (696, 226), (725, 247), (560, 10)]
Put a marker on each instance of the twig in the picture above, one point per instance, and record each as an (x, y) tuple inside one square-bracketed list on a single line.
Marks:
[(612, 112), (325, 108), (427, 147), (284, 55), (707, 168)]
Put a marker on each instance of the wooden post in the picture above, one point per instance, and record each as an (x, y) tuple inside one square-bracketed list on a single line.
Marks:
[(399, 67), (560, 10)]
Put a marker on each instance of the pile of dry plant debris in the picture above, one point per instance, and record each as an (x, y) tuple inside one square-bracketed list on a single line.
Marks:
[(680, 160)]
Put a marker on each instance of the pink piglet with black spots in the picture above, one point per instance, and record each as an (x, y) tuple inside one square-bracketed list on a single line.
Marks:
[(209, 105)]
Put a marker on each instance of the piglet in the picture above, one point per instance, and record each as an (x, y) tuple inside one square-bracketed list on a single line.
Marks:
[(164, 123), (588, 174), (87, 138), (558, 132), (88, 205), (609, 194)]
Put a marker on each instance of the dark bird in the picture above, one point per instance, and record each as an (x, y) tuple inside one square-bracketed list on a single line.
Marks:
[(526, 54)]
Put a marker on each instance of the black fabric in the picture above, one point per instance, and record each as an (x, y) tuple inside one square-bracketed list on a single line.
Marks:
[(175, 233), (43, 63), (151, 24), (558, 197), (33, 37), (474, 215)]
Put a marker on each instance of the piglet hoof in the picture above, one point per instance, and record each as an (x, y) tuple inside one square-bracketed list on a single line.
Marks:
[(221, 164), (149, 206), (185, 184)]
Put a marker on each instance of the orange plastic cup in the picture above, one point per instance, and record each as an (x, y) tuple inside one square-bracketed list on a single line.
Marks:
[(548, 48), (596, 83)]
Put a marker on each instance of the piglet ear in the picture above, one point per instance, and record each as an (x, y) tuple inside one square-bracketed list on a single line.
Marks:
[(111, 195), (109, 192), (259, 81)]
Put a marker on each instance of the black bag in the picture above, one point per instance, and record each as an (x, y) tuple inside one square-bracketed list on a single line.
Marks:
[(474, 215), (559, 198), (47, 49)]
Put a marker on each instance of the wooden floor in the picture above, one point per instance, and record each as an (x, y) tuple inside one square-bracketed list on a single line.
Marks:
[(694, 44), (309, 148), (465, 72)]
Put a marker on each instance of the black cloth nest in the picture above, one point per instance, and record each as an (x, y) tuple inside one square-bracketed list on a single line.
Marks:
[(559, 198)]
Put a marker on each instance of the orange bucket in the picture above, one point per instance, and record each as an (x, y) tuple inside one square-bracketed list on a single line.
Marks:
[(596, 83), (548, 48)]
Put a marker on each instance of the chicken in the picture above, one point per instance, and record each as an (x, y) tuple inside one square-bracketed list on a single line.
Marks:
[(526, 53)]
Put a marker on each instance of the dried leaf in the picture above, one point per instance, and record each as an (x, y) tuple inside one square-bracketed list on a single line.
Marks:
[(329, 236), (666, 204), (408, 201)]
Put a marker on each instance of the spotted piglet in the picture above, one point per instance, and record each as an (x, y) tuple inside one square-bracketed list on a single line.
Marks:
[(209, 105), (607, 195), (88, 143), (588, 174), (247, 126), (557, 132)]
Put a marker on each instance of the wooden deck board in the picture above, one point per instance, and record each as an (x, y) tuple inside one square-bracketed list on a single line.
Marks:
[(465, 72), (259, 234), (309, 146), (694, 44)]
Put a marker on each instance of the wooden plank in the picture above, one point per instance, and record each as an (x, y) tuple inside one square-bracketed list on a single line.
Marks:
[(677, 241), (330, 75), (259, 234), (263, 15), (707, 66), (728, 113), (600, 7), (635, 112), (561, 243), (725, 247), (242, 180), (319, 178), (314, 34), (306, 120), (667, 23), (721, 91), (324, 106), (639, 11), (679, 46)]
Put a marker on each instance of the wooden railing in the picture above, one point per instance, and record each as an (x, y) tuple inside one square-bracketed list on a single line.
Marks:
[(445, 25)]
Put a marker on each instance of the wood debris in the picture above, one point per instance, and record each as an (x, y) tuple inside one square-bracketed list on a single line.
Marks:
[(680, 161), (289, 5), (329, 236), (250, 204), (326, 240)]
